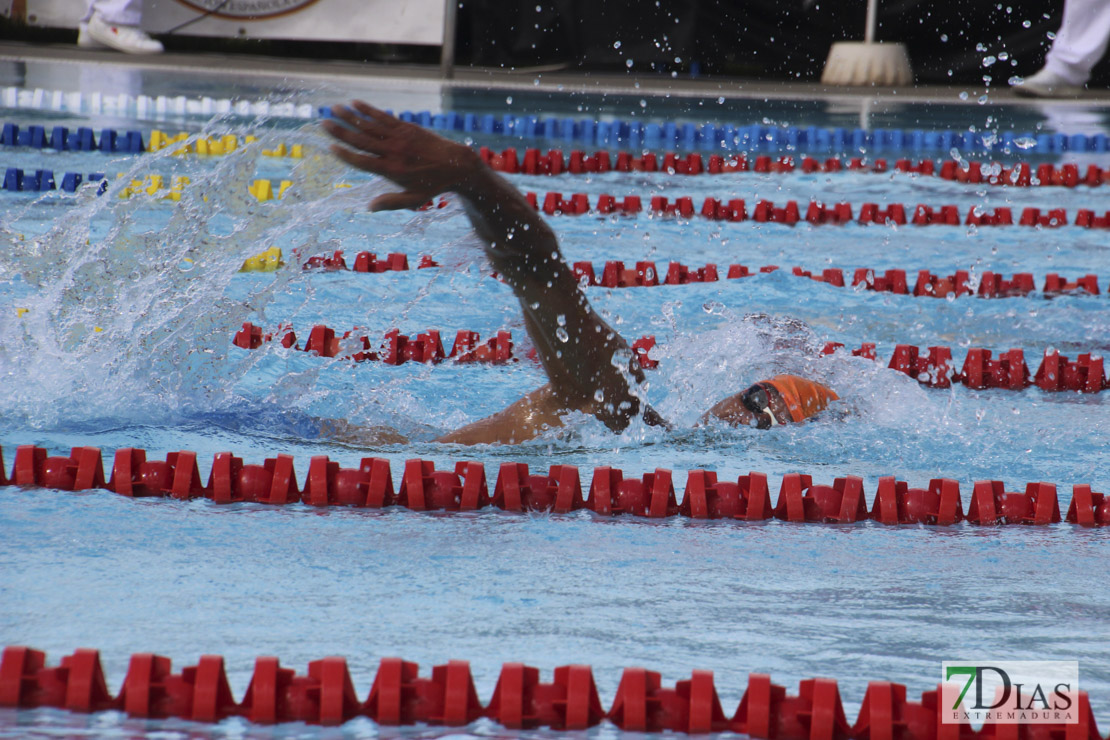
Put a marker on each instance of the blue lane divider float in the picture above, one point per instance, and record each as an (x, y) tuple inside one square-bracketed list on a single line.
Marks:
[(756, 137), (82, 139), (638, 134), (16, 180)]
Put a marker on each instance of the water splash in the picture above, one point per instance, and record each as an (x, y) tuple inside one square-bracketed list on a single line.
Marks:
[(129, 309)]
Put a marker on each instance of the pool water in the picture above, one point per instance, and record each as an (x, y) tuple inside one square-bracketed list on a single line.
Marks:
[(126, 341)]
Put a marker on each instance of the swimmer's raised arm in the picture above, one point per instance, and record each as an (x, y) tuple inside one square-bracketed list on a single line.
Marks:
[(588, 363)]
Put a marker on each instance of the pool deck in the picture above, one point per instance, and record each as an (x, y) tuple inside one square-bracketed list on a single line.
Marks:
[(348, 74)]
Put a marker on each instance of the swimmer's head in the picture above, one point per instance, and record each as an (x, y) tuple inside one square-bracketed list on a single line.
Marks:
[(768, 403), (802, 398)]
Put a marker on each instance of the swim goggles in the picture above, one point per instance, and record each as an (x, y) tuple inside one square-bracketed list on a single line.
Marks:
[(757, 399)]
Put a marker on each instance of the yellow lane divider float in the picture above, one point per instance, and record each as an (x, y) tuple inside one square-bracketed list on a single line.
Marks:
[(153, 185), (262, 190), (267, 261), (209, 146)]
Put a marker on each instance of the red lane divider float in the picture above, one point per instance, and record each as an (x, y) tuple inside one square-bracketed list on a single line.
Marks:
[(397, 348), (1023, 174), (646, 273), (559, 490), (399, 695), (933, 366), (766, 211)]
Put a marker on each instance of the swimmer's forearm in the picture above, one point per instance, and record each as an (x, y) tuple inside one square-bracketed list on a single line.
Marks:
[(588, 363), (519, 242)]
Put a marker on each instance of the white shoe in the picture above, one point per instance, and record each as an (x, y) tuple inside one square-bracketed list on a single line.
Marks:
[(84, 40), (1046, 84), (128, 39)]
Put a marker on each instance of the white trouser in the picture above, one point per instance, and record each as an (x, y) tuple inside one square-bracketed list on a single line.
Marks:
[(1081, 40), (120, 12)]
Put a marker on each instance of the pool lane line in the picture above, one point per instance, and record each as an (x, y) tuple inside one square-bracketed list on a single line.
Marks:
[(932, 366), (325, 695), (464, 488), (647, 274)]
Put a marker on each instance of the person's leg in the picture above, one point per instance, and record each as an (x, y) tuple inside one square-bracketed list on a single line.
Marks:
[(117, 12), (115, 24), (1081, 40)]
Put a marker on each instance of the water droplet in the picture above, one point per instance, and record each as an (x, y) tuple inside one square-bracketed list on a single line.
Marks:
[(963, 95), (989, 60), (1024, 142), (561, 319), (616, 44), (561, 335), (983, 100), (509, 100), (599, 395), (628, 63)]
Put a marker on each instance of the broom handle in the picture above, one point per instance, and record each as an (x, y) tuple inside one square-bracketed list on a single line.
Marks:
[(869, 31)]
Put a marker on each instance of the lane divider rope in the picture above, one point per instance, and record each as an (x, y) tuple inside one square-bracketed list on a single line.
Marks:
[(399, 695), (631, 133), (610, 492), (149, 107), (755, 137), (646, 273), (590, 132), (817, 213), (933, 366), (1021, 174), (114, 141)]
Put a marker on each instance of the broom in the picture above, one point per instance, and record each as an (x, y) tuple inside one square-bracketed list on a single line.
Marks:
[(867, 62)]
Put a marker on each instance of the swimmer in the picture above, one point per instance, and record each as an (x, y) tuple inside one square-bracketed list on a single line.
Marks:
[(590, 367)]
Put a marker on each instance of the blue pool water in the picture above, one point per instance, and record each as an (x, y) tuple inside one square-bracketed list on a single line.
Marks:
[(856, 603)]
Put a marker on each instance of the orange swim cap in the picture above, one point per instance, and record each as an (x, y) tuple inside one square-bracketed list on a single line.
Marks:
[(803, 398)]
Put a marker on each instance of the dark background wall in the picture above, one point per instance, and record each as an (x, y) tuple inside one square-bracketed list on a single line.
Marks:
[(948, 41)]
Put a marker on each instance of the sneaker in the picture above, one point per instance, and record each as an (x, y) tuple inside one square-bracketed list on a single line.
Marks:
[(1046, 84), (84, 40), (128, 39)]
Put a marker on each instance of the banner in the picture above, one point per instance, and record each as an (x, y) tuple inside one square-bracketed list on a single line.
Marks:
[(376, 21)]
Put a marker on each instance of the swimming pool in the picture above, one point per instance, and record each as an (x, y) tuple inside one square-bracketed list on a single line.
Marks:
[(860, 602)]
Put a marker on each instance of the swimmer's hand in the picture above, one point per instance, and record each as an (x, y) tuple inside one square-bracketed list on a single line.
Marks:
[(421, 162)]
